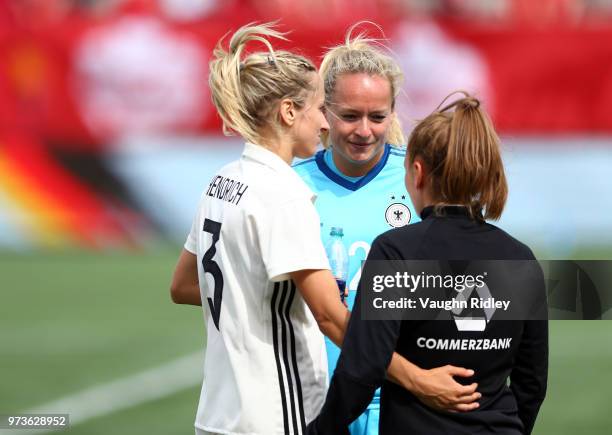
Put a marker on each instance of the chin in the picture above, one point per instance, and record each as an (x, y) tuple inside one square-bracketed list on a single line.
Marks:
[(363, 157), (365, 153)]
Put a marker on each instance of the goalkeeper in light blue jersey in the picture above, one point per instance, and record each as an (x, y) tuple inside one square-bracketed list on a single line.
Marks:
[(359, 182)]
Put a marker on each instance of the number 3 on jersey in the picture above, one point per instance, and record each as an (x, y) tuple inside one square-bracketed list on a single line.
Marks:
[(210, 266)]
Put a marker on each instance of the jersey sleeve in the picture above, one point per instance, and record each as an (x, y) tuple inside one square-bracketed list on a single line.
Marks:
[(191, 243), (529, 377), (289, 238)]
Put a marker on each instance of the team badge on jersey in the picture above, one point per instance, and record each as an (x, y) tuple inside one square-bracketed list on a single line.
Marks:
[(398, 214), (473, 323)]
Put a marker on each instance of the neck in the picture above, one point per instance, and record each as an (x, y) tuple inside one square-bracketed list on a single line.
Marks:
[(425, 199), (278, 146)]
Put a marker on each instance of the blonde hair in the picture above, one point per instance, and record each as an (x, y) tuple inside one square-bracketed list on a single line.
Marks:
[(245, 91), (462, 152), (361, 54)]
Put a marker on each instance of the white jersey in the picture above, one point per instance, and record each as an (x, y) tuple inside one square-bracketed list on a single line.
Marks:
[(265, 370)]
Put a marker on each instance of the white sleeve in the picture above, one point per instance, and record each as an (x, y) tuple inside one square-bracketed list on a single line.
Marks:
[(290, 239), (191, 244)]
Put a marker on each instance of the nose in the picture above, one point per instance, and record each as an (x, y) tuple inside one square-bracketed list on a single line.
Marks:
[(324, 124), (363, 128)]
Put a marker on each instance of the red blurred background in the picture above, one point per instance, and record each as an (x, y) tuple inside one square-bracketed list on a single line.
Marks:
[(79, 76)]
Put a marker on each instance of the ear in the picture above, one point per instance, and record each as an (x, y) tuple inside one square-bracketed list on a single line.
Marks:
[(287, 112), (419, 171)]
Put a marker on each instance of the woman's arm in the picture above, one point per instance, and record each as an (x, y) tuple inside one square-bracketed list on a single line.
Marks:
[(320, 292), (366, 353), (185, 288), (435, 388), (367, 357)]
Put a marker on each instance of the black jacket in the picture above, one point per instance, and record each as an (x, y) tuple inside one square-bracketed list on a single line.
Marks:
[(369, 344)]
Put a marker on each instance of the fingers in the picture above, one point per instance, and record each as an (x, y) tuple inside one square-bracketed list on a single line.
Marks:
[(460, 371), (464, 407), (465, 403), (465, 390), (455, 406), (468, 399)]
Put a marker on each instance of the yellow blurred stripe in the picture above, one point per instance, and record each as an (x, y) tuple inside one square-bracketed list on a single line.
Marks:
[(45, 221)]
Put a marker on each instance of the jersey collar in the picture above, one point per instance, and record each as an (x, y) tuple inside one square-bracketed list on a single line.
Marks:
[(347, 184), (286, 173), (446, 211)]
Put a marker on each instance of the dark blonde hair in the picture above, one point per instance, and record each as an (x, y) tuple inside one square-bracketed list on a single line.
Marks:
[(245, 91), (462, 152), (361, 54)]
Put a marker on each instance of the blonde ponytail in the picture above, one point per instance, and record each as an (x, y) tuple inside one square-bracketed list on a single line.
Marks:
[(244, 91)]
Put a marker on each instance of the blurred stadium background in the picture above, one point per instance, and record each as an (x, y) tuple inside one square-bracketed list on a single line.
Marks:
[(107, 137)]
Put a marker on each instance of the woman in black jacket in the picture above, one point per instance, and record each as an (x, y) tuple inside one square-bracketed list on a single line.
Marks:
[(455, 177)]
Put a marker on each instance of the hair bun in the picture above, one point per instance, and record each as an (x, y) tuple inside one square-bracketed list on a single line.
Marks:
[(470, 102), (466, 102)]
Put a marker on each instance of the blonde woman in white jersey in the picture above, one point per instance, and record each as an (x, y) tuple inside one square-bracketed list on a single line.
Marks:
[(254, 251)]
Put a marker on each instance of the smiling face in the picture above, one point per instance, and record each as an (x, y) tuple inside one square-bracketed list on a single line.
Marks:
[(359, 113)]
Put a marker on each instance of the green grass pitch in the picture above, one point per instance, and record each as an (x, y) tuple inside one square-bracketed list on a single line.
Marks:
[(74, 320)]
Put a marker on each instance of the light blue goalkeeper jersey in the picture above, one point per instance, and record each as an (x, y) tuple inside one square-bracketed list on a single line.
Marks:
[(363, 207)]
